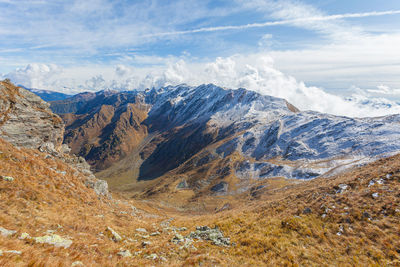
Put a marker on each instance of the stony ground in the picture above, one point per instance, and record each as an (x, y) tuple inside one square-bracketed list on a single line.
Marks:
[(49, 218)]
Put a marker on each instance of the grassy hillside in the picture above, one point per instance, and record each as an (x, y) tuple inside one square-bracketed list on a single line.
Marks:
[(311, 223)]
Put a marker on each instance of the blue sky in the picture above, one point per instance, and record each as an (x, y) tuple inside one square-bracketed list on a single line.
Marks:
[(341, 47)]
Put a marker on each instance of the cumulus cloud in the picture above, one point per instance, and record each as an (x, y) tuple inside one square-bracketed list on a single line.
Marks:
[(34, 75), (253, 72), (122, 70)]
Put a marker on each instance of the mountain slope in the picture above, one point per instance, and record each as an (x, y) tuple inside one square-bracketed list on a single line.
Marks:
[(48, 95), (71, 104), (108, 131)]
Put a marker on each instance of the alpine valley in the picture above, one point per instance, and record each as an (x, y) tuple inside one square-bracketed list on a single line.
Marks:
[(193, 176)]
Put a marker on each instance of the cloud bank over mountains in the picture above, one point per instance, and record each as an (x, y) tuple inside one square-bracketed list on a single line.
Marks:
[(269, 46), (252, 72)]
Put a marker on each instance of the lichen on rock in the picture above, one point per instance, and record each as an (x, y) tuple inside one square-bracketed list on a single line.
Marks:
[(54, 239)]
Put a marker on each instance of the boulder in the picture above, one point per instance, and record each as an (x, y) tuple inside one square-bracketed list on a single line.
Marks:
[(7, 178), (112, 234), (53, 239), (124, 253), (214, 235), (5, 232), (141, 230), (77, 263)]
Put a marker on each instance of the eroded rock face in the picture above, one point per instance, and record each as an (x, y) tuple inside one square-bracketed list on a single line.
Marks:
[(26, 120)]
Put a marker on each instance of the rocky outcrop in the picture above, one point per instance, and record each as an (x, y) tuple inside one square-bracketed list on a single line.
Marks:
[(27, 121)]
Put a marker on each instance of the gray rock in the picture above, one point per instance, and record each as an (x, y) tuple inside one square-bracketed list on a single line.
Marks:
[(307, 210), (178, 238), (7, 178), (220, 188), (342, 188), (152, 256), (101, 188), (366, 215), (182, 185), (155, 233), (48, 148), (55, 240), (112, 234), (124, 253), (141, 230), (24, 236), (146, 243), (13, 252), (212, 234), (5, 232)]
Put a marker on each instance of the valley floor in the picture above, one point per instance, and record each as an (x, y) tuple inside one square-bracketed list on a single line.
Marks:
[(348, 220)]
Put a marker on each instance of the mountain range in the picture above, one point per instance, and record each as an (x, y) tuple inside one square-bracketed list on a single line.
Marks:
[(214, 140), (47, 95)]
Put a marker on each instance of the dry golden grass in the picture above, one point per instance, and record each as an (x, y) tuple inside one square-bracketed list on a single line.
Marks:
[(269, 228)]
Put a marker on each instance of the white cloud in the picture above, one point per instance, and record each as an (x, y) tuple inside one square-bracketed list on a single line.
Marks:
[(34, 75), (253, 72), (365, 61), (303, 21), (122, 70), (384, 90)]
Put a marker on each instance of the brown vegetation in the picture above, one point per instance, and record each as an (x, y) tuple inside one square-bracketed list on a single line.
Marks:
[(293, 223)]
